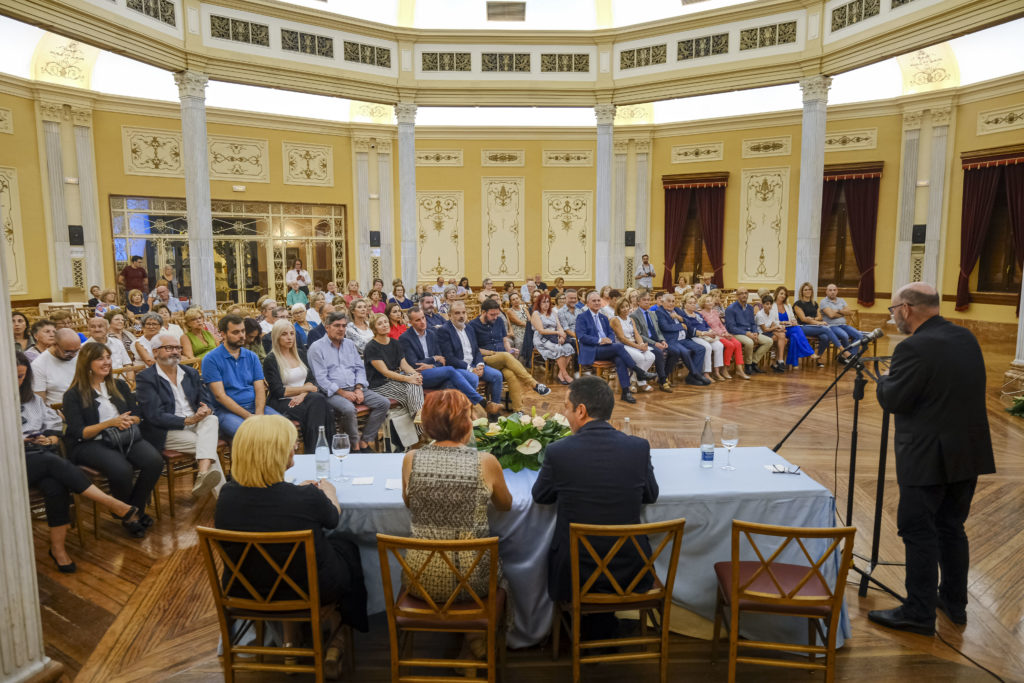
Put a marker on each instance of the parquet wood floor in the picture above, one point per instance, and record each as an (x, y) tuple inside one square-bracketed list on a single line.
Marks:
[(141, 611)]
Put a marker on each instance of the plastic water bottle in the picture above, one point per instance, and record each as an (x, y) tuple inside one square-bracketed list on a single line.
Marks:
[(707, 445), (323, 456), (626, 429)]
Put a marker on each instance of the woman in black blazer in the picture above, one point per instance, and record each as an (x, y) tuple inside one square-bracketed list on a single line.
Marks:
[(292, 389), (94, 402)]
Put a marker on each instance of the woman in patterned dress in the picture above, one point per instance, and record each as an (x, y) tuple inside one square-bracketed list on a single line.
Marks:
[(549, 337), (518, 317), (387, 370), (447, 486)]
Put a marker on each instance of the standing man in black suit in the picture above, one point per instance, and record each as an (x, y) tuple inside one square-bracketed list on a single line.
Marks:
[(596, 476), (936, 390)]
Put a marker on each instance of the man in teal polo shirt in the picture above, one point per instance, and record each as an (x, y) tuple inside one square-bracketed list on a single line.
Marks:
[(235, 378)]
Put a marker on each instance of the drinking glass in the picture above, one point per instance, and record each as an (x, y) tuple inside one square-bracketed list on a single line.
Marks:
[(340, 447), (730, 437)]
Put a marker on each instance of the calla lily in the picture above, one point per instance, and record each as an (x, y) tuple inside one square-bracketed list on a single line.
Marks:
[(560, 419), (529, 447), (493, 430)]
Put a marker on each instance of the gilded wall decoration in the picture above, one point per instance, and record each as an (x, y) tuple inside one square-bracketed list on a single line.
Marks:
[(768, 36), (642, 56), (64, 61), (307, 43), (239, 30), (702, 151), (565, 62), (502, 208), (568, 157), (439, 225), (705, 46), (1000, 120), (446, 61), (371, 112), (308, 164), (505, 62), (10, 223), (634, 114), (854, 12), (841, 140), (764, 208), (931, 68), (151, 151), (568, 222), (238, 159), (502, 157), (371, 55), (161, 10), (439, 157), (780, 146), (6, 121)]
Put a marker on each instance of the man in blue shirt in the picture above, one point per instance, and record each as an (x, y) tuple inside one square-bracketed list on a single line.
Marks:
[(340, 373), (739, 321), (497, 352), (235, 378), (680, 338)]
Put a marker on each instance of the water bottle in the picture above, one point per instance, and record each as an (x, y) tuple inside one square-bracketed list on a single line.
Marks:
[(323, 456), (707, 445), (626, 427)]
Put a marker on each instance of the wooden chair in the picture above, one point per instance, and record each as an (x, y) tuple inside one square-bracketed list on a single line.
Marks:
[(127, 374), (605, 369), (176, 463), (586, 601), (289, 596), (767, 586), (407, 614), (538, 360)]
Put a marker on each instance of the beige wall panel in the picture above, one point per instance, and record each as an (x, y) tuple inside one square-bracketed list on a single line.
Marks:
[(440, 225), (568, 240), (308, 164), (764, 225), (152, 151), (13, 235), (6, 121), (503, 223), (238, 159)]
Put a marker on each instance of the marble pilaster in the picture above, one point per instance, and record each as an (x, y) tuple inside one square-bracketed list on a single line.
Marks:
[(936, 193), (61, 261), (605, 114), (405, 113), (386, 205), (364, 270), (192, 93), (812, 172), (620, 204), (89, 200), (902, 267), (641, 222)]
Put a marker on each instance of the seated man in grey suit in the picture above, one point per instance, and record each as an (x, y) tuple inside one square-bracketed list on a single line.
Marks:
[(596, 476), (646, 322)]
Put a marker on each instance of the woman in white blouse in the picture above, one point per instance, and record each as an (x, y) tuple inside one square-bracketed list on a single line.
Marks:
[(358, 330), (629, 336), (152, 325), (297, 274), (291, 388)]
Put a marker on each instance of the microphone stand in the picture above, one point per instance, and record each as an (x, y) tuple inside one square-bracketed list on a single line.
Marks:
[(856, 362)]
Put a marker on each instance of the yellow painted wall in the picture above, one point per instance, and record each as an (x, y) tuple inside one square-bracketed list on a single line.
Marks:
[(21, 151)]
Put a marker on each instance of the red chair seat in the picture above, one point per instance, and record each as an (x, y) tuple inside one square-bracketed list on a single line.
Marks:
[(174, 455), (406, 601), (788, 576)]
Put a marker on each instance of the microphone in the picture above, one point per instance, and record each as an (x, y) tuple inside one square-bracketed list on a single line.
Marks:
[(870, 336)]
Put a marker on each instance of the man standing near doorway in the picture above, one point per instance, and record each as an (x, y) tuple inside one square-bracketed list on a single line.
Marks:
[(645, 273)]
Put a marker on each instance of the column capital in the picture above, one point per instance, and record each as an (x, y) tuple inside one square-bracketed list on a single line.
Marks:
[(52, 111), (912, 120), (383, 146), (191, 84), (620, 146), (605, 114), (642, 146), (941, 116), (362, 144), (405, 112), (815, 87)]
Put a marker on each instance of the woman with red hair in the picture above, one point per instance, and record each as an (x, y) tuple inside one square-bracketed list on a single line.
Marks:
[(447, 485), (549, 337)]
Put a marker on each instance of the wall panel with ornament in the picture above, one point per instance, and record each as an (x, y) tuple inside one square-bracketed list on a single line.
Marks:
[(568, 239), (503, 227), (440, 227)]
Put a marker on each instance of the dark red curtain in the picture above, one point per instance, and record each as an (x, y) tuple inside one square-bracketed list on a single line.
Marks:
[(1014, 179), (862, 208), (980, 185), (677, 205), (711, 208)]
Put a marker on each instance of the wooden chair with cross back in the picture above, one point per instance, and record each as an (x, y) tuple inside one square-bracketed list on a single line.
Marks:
[(624, 595)]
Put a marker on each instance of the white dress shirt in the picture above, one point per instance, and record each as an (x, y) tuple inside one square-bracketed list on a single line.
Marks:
[(181, 406), (467, 348)]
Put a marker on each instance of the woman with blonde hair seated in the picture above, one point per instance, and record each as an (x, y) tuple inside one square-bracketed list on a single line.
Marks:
[(447, 486), (257, 499), (291, 388), (197, 340), (387, 370)]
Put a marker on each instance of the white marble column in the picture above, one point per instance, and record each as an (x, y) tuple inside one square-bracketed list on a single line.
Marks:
[(1017, 366), (22, 656), (405, 113), (812, 172), (620, 204), (88, 196), (936, 193), (61, 262), (641, 222), (192, 93), (605, 114), (902, 272), (364, 266), (386, 206)]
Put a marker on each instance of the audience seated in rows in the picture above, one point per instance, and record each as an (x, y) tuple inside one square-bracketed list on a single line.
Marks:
[(137, 304), (594, 335), (99, 330), (358, 327), (666, 356), (797, 346), (705, 336), (739, 321), (301, 325), (627, 335), (732, 350), (387, 370), (461, 351), (396, 318), (292, 390), (44, 334), (549, 338), (498, 352), (53, 371), (197, 340), (680, 339)]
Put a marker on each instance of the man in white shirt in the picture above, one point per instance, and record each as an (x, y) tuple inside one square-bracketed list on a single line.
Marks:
[(439, 287), (163, 295), (98, 328), (331, 292), (176, 406), (645, 273), (54, 369), (527, 290), (834, 310), (458, 343)]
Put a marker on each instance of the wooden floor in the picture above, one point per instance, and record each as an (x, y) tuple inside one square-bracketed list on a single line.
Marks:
[(142, 611)]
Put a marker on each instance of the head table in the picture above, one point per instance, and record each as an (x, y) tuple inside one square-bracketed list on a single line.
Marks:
[(709, 499)]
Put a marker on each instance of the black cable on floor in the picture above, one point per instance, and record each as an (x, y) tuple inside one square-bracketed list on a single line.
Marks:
[(970, 659)]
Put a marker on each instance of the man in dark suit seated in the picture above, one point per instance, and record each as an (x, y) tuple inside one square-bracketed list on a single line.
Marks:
[(177, 412), (597, 343), (936, 391), (422, 347), (458, 344), (319, 331), (680, 337), (596, 476), (434, 319), (646, 323)]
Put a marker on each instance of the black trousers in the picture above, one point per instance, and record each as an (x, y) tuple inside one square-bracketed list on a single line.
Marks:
[(665, 361), (313, 413), (120, 469), (57, 478), (346, 587), (931, 520)]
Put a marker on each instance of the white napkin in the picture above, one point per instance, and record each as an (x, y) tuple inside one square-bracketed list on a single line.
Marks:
[(362, 481), (393, 484)]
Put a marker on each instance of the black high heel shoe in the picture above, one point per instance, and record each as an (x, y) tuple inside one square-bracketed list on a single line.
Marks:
[(69, 568), (135, 527)]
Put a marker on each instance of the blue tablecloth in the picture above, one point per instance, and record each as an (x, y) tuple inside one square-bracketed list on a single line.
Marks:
[(709, 499)]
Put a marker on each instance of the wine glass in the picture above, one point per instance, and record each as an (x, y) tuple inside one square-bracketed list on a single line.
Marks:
[(730, 437), (340, 447)]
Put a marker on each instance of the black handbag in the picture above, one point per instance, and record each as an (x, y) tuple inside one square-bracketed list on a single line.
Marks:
[(121, 440)]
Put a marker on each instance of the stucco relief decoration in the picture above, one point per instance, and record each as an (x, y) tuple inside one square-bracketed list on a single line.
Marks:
[(764, 208), (371, 112), (568, 226), (439, 225), (635, 114), (704, 151), (768, 147), (149, 151), (6, 121), (307, 164), (439, 157), (502, 157), (502, 207), (238, 159), (10, 224), (931, 68), (568, 157), (842, 140), (999, 120), (61, 60)]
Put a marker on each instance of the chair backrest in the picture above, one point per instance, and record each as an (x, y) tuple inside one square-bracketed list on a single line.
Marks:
[(283, 584), (127, 374), (777, 585), (626, 536), (454, 607)]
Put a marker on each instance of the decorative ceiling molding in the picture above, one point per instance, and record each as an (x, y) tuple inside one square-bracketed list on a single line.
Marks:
[(701, 151), (843, 140), (568, 157), (439, 157), (502, 157), (778, 146)]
